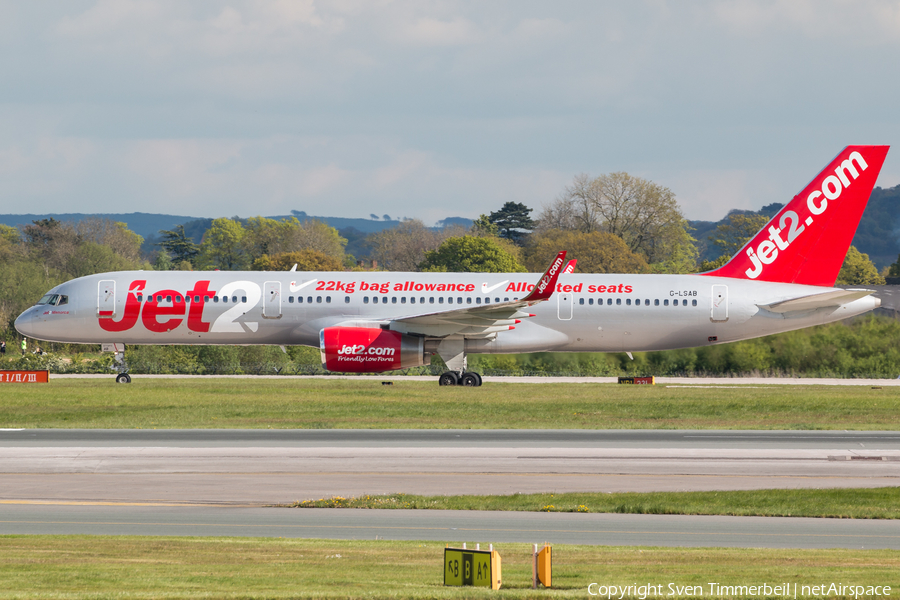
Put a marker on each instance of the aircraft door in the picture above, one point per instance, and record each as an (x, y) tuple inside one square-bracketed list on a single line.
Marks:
[(106, 299), (272, 300), (719, 309), (566, 302)]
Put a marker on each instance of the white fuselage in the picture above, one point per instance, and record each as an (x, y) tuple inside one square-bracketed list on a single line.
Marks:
[(587, 313)]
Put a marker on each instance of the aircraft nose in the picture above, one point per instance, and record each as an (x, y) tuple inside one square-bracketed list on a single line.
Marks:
[(24, 324)]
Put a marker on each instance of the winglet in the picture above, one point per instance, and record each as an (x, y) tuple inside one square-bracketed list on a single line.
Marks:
[(547, 284)]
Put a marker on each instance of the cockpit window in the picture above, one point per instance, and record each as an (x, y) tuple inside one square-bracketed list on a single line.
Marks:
[(62, 300), (53, 299)]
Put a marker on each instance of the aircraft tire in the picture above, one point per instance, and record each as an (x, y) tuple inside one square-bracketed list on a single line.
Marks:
[(123, 378), (478, 376), (469, 380), (448, 378)]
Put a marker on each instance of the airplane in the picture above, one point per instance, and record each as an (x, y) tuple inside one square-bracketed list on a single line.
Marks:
[(371, 322)]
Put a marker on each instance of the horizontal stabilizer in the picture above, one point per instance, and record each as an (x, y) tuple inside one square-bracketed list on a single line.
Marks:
[(814, 301)]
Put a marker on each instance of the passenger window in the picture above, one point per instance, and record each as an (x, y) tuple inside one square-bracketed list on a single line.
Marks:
[(215, 299), (665, 302), (393, 299), (656, 302), (299, 299), (618, 301), (609, 301), (309, 299), (693, 303), (328, 299), (477, 300), (675, 302), (346, 299), (403, 300), (450, 300), (234, 299), (290, 299), (140, 298), (441, 300), (459, 300), (319, 299), (431, 300), (412, 300), (647, 302), (591, 301), (628, 301), (506, 299), (365, 299), (496, 299), (384, 300), (581, 301), (422, 300), (243, 298)]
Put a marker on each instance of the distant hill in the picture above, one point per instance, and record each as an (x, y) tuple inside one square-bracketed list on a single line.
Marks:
[(148, 225), (143, 224)]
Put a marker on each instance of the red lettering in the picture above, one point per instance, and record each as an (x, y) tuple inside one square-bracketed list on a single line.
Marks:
[(577, 288), (152, 311), (591, 289), (195, 312), (627, 289), (601, 288), (511, 288), (470, 287), (131, 313), (567, 288), (620, 287)]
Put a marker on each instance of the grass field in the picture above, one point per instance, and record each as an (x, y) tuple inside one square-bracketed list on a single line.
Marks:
[(877, 503), (365, 403), (74, 567)]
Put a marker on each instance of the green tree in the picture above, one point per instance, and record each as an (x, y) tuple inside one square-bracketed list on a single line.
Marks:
[(482, 226), (736, 231), (179, 246), (514, 221), (306, 260), (10, 234), (222, 246), (116, 236), (596, 251), (403, 248), (469, 254), (644, 214), (858, 270), (894, 269)]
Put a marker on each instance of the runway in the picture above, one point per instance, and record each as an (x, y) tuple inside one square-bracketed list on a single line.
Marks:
[(220, 482), (283, 466)]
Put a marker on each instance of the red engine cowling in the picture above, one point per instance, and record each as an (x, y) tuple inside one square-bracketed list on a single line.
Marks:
[(367, 350)]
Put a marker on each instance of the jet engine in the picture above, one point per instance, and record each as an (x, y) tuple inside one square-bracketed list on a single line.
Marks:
[(369, 350)]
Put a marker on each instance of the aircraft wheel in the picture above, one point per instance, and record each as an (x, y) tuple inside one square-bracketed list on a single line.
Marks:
[(448, 378), (123, 378), (478, 376), (469, 380)]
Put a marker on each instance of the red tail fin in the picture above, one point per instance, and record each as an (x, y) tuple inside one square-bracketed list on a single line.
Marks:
[(806, 242)]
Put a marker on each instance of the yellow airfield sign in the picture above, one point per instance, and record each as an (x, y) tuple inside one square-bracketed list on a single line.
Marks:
[(479, 568)]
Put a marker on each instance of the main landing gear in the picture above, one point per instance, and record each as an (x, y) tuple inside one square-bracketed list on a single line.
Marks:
[(468, 379)]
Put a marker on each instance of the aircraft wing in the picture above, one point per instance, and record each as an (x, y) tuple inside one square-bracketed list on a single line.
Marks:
[(485, 319), (813, 301)]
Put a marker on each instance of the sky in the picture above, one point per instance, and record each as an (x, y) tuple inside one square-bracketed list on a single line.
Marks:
[(431, 109)]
